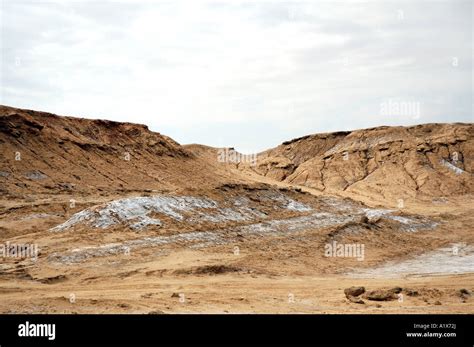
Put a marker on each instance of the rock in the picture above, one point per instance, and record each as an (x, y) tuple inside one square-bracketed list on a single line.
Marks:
[(354, 291), (66, 185), (396, 290), (374, 219), (35, 175), (156, 312), (437, 302), (464, 294), (380, 295), (355, 300), (411, 292), (175, 295), (334, 160), (352, 294), (53, 279)]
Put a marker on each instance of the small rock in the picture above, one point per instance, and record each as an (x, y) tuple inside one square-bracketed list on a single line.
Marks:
[(35, 175), (437, 302), (396, 290), (66, 185), (355, 300), (53, 279), (354, 291), (380, 295), (464, 294), (411, 292), (175, 295)]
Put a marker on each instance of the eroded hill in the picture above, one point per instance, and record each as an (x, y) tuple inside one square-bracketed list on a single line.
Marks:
[(128, 221), (50, 154), (384, 164)]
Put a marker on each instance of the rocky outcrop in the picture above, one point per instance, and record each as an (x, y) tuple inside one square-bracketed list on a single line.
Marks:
[(390, 162), (46, 153)]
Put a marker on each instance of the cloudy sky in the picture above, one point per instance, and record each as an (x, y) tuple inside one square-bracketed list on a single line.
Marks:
[(248, 74)]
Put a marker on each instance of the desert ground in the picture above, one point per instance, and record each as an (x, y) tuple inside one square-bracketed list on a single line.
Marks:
[(125, 220)]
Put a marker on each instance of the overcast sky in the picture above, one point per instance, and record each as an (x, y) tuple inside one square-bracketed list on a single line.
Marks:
[(247, 74)]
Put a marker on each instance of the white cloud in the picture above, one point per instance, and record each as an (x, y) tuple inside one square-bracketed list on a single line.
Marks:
[(219, 73)]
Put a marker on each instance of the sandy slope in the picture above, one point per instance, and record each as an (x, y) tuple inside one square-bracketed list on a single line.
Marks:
[(383, 164), (173, 230)]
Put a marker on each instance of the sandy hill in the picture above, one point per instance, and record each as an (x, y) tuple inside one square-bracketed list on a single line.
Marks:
[(46, 153), (383, 163), (153, 220)]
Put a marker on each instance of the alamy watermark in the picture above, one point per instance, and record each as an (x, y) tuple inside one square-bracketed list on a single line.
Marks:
[(19, 250), (230, 155), (37, 330), (395, 107), (347, 250)]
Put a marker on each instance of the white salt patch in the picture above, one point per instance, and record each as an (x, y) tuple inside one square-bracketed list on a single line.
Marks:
[(457, 259), (375, 213), (37, 216), (35, 175), (134, 212), (276, 227), (82, 216), (84, 253), (410, 224), (452, 167), (297, 206)]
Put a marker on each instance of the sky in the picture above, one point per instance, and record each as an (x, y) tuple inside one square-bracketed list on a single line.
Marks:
[(243, 74)]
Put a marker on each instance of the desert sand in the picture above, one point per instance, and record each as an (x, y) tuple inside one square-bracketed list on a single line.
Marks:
[(115, 218)]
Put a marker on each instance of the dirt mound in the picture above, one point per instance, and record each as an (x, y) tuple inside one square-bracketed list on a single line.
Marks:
[(380, 295), (49, 154), (209, 270), (283, 234), (46, 153), (386, 163)]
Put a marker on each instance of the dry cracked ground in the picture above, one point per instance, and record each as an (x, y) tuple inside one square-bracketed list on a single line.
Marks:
[(105, 217)]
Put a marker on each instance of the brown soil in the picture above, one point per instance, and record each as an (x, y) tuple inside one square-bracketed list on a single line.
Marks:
[(232, 237)]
